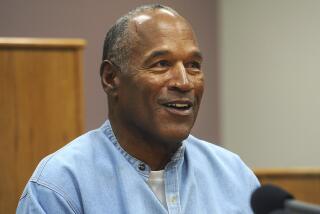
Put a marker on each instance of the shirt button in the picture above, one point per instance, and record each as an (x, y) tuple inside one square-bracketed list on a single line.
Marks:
[(173, 199), (142, 167)]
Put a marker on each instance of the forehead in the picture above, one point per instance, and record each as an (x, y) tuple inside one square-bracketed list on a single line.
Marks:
[(162, 28)]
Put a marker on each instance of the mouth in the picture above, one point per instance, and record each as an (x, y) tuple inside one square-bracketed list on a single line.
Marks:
[(179, 107)]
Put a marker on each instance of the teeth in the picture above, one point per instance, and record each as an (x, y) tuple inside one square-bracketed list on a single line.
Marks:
[(178, 105), (181, 105)]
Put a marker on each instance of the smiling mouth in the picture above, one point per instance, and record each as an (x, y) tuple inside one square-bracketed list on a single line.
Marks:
[(182, 108), (178, 106)]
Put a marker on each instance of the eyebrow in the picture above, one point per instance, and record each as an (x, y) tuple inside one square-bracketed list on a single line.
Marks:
[(160, 53), (197, 54)]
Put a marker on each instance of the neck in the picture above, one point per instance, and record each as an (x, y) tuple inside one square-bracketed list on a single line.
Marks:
[(143, 147)]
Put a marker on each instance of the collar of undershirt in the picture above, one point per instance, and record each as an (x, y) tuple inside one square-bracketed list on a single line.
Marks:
[(156, 175)]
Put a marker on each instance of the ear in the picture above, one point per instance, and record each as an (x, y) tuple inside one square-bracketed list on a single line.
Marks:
[(109, 77)]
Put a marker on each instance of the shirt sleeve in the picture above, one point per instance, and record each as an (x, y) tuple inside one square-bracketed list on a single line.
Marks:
[(41, 199)]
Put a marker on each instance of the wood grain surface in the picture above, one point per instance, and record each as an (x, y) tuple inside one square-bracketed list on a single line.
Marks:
[(41, 107)]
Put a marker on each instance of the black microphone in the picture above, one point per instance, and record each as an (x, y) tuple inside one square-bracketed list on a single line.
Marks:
[(270, 199)]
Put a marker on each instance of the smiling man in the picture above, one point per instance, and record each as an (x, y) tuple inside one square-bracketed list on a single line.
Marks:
[(143, 159)]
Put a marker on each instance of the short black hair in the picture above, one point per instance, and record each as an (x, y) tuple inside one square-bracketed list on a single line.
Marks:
[(117, 45)]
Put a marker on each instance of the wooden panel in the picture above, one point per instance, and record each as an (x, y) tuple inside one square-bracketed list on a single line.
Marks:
[(42, 43), (41, 108), (304, 184)]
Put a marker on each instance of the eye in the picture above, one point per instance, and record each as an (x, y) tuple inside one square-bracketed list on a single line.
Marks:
[(193, 65), (162, 64)]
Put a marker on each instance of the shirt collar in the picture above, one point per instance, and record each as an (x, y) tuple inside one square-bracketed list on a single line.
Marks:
[(176, 159)]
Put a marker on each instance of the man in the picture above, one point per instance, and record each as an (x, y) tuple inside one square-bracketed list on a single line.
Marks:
[(143, 159)]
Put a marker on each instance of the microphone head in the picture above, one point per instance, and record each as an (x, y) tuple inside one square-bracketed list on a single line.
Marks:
[(268, 198)]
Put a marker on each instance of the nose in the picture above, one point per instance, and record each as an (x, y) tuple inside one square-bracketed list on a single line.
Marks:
[(180, 79)]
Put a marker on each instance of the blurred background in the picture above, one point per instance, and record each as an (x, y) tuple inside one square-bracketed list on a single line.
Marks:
[(262, 68)]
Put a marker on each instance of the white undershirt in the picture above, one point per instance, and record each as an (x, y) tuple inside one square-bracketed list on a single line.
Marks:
[(156, 183)]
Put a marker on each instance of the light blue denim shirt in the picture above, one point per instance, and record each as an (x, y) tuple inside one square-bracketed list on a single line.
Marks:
[(94, 175)]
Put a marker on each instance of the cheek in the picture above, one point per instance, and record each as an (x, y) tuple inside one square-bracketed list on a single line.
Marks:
[(199, 86), (141, 98), (149, 85)]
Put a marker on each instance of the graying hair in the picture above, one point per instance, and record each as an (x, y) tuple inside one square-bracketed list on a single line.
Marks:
[(117, 45)]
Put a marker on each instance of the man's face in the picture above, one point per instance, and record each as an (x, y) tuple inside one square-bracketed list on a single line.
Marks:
[(159, 95)]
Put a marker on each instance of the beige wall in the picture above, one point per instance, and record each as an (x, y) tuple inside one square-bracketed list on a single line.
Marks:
[(270, 81), (90, 20)]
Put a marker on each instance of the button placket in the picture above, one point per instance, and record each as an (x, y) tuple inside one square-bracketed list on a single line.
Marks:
[(172, 189)]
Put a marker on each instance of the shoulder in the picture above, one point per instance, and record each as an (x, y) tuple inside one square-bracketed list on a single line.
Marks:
[(78, 152), (73, 167), (220, 174), (220, 161), (81, 155), (205, 149)]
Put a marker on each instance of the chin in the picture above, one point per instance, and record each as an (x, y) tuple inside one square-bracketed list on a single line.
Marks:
[(177, 134)]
